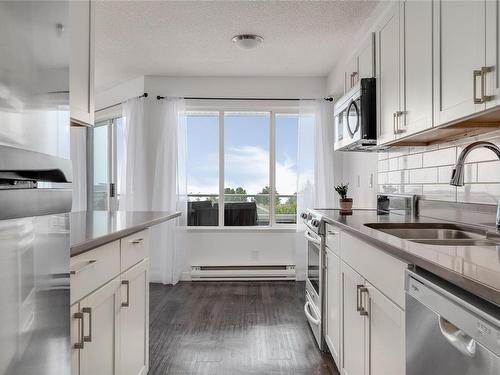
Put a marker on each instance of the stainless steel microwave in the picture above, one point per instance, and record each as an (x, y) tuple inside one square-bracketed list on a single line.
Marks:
[(356, 118)]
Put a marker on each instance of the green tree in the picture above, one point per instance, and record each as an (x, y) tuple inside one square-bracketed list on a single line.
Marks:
[(264, 198), (229, 194)]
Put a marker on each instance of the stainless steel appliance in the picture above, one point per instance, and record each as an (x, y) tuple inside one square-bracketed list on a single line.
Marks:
[(355, 117), (449, 331), (313, 307), (34, 195)]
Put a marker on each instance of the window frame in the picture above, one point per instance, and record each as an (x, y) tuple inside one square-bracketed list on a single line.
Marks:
[(273, 108), (111, 204)]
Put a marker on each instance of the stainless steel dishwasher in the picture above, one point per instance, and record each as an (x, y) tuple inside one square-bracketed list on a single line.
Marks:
[(449, 331)]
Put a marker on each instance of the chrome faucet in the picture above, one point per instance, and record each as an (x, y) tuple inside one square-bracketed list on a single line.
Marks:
[(457, 176)]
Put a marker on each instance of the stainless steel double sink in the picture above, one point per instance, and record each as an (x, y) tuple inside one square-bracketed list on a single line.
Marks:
[(441, 234)]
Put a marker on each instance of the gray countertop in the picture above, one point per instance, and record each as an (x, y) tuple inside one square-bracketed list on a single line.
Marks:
[(89, 229), (473, 268)]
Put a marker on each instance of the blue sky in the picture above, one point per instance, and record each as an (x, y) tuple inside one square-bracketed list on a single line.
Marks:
[(246, 141)]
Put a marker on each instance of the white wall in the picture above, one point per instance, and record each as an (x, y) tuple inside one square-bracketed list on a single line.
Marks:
[(359, 169), (259, 87)]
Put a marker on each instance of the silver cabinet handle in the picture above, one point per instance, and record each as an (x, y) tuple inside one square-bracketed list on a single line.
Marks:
[(87, 310), (127, 284), (358, 297), (394, 123), (364, 310), (80, 343), (484, 71), (88, 263), (458, 338), (475, 74), (137, 241)]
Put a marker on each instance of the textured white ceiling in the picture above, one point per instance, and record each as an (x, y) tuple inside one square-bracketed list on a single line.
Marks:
[(193, 38)]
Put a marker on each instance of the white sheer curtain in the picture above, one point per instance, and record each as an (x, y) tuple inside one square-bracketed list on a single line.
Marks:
[(78, 152), (154, 177), (315, 167)]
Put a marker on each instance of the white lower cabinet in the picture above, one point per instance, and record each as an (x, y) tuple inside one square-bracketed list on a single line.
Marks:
[(134, 320), (353, 324), (333, 304), (365, 325), (386, 351), (101, 321), (110, 322)]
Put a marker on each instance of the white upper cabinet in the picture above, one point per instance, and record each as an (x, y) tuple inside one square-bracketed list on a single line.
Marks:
[(81, 83), (366, 58), (388, 74), (459, 57), (492, 78), (416, 62)]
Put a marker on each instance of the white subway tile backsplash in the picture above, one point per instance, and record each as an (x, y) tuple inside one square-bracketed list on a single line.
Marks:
[(488, 172), (393, 164), (423, 176), (440, 192), (426, 171), (383, 165), (479, 193), (445, 156), (410, 161)]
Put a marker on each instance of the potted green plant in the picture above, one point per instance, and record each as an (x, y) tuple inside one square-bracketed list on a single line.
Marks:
[(345, 203)]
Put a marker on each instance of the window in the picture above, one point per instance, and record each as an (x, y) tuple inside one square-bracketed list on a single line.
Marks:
[(242, 161), (107, 157)]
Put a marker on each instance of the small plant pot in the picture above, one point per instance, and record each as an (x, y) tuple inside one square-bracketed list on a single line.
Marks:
[(345, 205)]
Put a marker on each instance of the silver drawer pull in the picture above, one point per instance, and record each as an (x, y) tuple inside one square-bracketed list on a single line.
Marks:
[(475, 75), (87, 310), (80, 343), (137, 241), (127, 284), (87, 264)]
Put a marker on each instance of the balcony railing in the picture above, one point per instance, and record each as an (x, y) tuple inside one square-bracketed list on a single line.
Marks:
[(240, 209)]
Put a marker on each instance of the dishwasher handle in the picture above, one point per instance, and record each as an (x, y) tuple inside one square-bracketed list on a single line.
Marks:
[(457, 338)]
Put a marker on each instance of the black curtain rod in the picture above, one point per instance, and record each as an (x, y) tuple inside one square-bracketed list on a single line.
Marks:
[(264, 99), (145, 95)]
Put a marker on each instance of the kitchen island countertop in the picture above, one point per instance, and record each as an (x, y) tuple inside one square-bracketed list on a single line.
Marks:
[(90, 229)]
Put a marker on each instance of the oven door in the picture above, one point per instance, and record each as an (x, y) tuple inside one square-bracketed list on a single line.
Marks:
[(313, 261)]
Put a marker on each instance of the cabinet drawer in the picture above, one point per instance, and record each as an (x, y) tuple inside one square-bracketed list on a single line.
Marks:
[(382, 270), (134, 248), (332, 239), (94, 268)]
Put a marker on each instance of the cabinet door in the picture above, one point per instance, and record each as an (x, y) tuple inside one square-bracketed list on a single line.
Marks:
[(388, 74), (81, 81), (366, 58), (134, 321), (416, 37), (492, 78), (101, 312), (333, 305), (76, 338), (387, 335), (459, 40), (354, 336)]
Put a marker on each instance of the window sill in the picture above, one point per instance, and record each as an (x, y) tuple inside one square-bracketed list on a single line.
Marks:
[(274, 229)]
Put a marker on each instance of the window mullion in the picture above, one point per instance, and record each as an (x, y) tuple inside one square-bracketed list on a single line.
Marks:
[(272, 170), (221, 169)]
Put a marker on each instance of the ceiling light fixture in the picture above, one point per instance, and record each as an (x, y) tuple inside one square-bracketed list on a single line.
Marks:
[(247, 41)]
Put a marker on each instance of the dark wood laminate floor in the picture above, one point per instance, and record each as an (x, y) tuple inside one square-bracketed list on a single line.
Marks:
[(230, 328)]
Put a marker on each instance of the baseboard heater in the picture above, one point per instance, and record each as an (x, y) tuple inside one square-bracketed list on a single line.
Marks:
[(218, 273)]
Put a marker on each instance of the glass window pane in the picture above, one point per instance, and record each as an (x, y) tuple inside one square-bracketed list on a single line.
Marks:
[(203, 168), (101, 167), (246, 168), (287, 126)]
